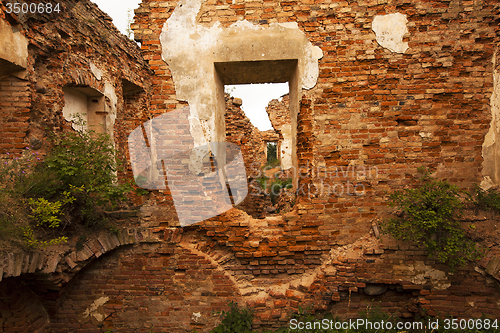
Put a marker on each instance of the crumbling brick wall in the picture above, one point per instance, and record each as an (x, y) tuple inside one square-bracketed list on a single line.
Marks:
[(79, 47), (60, 55), (14, 114), (241, 131), (373, 117), (279, 111)]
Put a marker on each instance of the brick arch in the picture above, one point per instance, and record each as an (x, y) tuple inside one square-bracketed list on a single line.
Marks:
[(160, 286), (154, 264)]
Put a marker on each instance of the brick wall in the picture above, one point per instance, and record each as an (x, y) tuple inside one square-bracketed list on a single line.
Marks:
[(159, 288), (279, 112), (371, 107), (20, 309), (14, 114), (279, 115), (65, 51), (372, 119), (175, 282)]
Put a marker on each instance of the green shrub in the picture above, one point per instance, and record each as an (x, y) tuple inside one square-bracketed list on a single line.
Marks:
[(48, 213), (32, 242), (428, 217), (236, 320), (276, 186), (15, 174), (76, 181), (488, 200), (13, 216), (83, 162)]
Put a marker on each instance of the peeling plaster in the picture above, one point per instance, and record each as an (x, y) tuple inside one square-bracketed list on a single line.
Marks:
[(422, 274), (390, 30), (196, 316), (491, 147), (191, 50), (96, 71), (110, 93), (14, 46), (95, 310), (79, 102), (286, 147)]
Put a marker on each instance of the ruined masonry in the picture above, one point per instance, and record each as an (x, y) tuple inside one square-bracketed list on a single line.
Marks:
[(377, 89)]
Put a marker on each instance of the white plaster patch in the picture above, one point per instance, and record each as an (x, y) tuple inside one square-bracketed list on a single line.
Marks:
[(96, 71), (75, 103), (109, 92), (286, 147), (196, 316), (490, 137), (94, 309), (14, 45), (424, 273), (307, 280), (486, 183), (389, 30)]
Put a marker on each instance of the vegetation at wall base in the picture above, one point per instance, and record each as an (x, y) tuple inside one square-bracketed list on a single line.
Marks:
[(239, 320), (235, 320), (276, 186)]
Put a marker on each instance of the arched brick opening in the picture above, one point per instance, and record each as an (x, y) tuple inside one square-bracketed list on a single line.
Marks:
[(158, 287)]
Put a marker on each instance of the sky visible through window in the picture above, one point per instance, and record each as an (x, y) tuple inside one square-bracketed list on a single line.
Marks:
[(255, 98)]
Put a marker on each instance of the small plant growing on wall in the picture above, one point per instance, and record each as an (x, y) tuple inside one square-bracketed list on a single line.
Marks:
[(236, 320), (487, 199), (428, 216)]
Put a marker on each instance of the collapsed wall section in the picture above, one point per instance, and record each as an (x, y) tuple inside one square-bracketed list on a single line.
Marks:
[(375, 115), (43, 57), (64, 74), (401, 85)]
